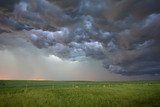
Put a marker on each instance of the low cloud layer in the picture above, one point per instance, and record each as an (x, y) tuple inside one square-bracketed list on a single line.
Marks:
[(122, 34)]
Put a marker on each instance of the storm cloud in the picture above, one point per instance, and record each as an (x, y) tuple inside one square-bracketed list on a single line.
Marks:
[(123, 34)]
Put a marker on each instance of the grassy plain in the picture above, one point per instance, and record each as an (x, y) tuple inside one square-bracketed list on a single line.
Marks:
[(79, 94)]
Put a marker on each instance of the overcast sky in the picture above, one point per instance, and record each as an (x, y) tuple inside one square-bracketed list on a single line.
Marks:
[(80, 39)]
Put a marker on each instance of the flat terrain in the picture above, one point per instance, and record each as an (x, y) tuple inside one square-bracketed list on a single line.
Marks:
[(79, 94)]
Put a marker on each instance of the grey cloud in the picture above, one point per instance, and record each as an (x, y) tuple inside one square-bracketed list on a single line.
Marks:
[(13, 24), (93, 7), (139, 9), (123, 34), (8, 4)]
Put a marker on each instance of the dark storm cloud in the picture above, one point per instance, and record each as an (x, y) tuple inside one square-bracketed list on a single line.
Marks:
[(120, 9), (8, 4), (13, 24), (124, 34)]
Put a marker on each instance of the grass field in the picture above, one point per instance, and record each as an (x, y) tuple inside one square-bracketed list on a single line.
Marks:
[(79, 94)]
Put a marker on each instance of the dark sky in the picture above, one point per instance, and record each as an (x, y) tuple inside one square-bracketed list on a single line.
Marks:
[(80, 39)]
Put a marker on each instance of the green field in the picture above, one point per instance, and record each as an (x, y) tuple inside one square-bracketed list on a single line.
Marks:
[(79, 94)]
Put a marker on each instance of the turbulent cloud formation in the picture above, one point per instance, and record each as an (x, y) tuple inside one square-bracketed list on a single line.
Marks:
[(123, 34)]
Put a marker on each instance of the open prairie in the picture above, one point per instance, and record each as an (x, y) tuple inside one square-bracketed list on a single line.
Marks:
[(79, 94)]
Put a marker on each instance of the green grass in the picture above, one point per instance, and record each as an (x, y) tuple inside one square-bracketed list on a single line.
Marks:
[(79, 94)]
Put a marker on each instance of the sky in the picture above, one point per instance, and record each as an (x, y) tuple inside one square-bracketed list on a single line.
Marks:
[(80, 39)]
